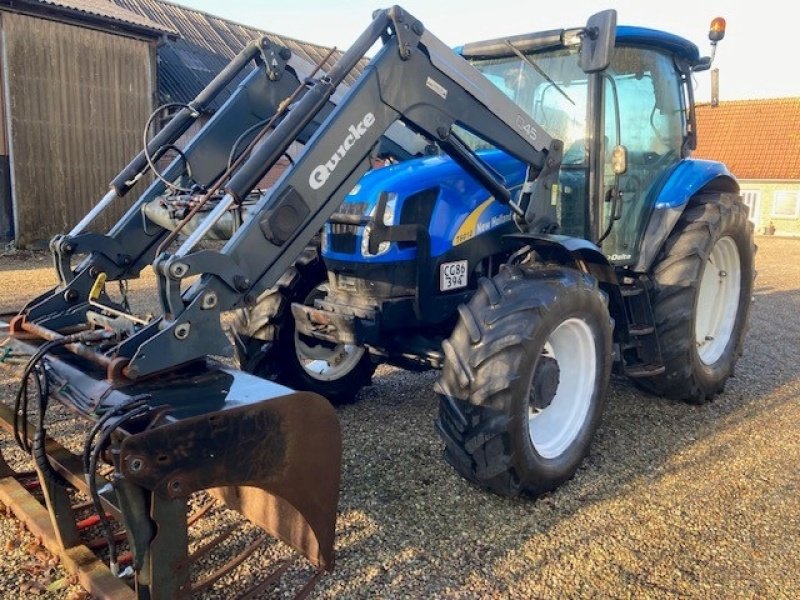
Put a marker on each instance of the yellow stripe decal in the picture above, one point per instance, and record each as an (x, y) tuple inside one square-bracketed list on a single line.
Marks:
[(467, 230)]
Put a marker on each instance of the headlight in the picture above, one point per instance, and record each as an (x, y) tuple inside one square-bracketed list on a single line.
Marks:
[(388, 214), (388, 220), (383, 247)]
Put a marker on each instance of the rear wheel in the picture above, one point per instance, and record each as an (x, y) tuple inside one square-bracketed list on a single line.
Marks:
[(272, 348), (524, 380), (701, 299)]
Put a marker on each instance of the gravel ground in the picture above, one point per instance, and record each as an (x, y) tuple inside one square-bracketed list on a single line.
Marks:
[(674, 500)]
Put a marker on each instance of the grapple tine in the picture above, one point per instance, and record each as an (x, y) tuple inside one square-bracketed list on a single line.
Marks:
[(200, 513), (258, 589), (98, 543), (262, 586), (206, 548), (207, 581), (309, 586)]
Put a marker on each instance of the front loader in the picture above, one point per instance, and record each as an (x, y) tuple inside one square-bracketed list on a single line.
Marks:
[(164, 417)]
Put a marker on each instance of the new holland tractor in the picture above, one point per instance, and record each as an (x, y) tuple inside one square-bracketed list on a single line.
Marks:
[(556, 228), (639, 259)]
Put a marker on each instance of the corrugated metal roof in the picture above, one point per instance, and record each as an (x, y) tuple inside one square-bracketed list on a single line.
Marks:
[(206, 45), (106, 10), (756, 139)]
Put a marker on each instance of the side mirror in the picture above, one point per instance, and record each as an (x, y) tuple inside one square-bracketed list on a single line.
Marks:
[(599, 36)]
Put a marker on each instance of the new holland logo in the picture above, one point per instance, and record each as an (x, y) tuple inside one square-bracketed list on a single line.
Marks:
[(322, 173)]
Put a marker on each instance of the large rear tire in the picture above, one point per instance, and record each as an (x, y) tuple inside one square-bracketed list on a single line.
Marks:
[(271, 348), (524, 379), (703, 280)]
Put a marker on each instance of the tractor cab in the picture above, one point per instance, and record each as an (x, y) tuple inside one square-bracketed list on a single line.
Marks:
[(625, 127)]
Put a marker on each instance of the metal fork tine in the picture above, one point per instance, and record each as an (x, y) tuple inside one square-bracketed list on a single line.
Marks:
[(101, 542), (260, 587), (200, 512), (81, 505), (309, 586), (207, 581), (209, 546)]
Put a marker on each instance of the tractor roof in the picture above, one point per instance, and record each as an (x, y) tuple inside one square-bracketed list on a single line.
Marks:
[(626, 35), (674, 44)]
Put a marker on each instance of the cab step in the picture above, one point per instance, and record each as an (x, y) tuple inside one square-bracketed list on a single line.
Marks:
[(640, 330), (641, 350), (640, 371)]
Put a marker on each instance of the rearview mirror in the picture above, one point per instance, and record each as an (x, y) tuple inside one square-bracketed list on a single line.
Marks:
[(598, 41)]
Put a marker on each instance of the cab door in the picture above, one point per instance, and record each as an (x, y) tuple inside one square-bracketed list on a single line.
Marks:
[(644, 111)]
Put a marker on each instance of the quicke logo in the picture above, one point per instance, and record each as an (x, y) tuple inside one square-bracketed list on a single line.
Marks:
[(322, 173)]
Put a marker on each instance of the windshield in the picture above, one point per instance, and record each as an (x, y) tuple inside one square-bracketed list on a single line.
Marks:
[(554, 95)]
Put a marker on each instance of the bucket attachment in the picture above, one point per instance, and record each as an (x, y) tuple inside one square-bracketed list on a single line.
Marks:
[(276, 461), (254, 446)]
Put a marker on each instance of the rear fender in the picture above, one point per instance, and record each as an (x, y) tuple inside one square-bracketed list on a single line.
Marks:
[(689, 178)]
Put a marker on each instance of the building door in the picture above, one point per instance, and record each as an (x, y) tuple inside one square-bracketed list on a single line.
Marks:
[(752, 199), (6, 201)]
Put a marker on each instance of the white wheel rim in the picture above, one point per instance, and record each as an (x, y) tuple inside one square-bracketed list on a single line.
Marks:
[(553, 429), (718, 301), (325, 361)]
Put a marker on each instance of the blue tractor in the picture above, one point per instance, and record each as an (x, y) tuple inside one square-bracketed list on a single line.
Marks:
[(638, 260), (553, 228)]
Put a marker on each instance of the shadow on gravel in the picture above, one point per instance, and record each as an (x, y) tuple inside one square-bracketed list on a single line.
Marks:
[(410, 527), (394, 476), (23, 261)]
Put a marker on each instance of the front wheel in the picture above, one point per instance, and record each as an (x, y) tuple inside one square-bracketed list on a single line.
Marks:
[(524, 380), (271, 347)]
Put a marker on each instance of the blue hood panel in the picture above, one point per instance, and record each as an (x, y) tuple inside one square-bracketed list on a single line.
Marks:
[(461, 205)]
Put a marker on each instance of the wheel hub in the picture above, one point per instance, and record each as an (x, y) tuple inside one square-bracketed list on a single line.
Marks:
[(323, 360), (562, 387), (717, 301), (545, 383)]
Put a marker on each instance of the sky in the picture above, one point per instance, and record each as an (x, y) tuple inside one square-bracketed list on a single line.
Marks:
[(755, 60)]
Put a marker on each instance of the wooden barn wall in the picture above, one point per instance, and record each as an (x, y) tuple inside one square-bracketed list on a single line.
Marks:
[(78, 100)]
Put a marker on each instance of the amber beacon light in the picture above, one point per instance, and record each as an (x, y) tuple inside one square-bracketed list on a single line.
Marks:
[(717, 31)]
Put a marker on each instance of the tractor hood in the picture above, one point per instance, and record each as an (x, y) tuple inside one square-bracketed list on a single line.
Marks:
[(432, 191)]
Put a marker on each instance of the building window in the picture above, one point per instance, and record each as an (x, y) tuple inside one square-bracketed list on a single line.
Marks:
[(192, 61), (786, 205), (752, 200)]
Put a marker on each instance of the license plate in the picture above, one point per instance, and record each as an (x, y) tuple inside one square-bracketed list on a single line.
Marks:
[(453, 275)]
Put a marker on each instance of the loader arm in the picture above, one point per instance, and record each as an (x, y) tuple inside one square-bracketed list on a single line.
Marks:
[(413, 78), (131, 243)]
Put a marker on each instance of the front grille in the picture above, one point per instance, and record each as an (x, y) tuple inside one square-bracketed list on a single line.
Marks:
[(343, 237)]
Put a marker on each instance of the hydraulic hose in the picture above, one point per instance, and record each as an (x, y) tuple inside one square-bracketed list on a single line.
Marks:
[(94, 493), (20, 420), (101, 422), (40, 437), (149, 159)]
